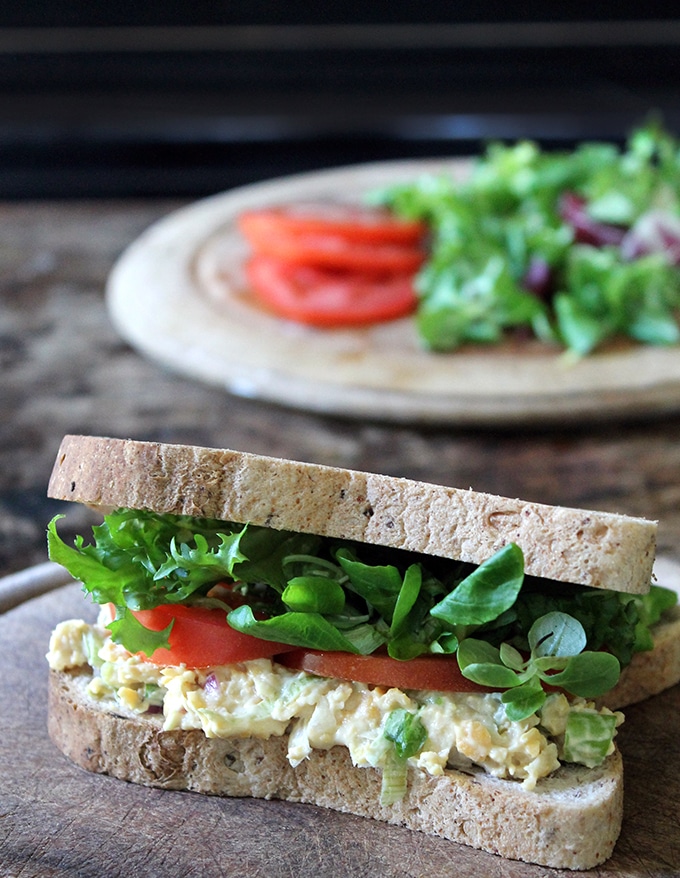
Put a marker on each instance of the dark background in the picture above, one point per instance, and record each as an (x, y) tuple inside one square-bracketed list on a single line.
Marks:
[(100, 99)]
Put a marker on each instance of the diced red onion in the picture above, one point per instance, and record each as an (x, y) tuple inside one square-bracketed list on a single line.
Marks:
[(211, 686)]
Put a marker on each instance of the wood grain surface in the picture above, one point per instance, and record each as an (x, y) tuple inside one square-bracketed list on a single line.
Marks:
[(57, 820)]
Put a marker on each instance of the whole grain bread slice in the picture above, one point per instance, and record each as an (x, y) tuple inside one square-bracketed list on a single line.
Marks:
[(572, 820), (598, 549)]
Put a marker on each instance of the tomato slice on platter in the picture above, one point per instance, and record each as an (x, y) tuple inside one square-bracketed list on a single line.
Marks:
[(320, 297), (438, 673), (201, 637), (336, 252), (351, 222)]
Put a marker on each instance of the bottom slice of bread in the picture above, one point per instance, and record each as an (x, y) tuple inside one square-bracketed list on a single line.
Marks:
[(571, 820)]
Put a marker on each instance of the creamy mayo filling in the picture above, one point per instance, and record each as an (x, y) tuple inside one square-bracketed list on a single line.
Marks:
[(261, 698)]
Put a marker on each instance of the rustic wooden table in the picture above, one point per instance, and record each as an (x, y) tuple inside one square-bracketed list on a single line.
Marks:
[(64, 369)]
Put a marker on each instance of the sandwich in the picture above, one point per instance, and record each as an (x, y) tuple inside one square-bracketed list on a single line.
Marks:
[(450, 661)]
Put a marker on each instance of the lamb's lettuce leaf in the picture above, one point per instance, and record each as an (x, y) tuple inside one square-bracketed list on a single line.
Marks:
[(557, 657), (378, 585), (487, 592), (616, 622)]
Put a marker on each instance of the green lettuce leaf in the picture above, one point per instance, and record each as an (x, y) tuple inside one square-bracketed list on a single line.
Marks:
[(379, 585), (301, 629), (557, 658), (487, 592)]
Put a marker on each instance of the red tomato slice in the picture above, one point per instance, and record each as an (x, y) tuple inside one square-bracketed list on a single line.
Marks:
[(201, 637), (353, 223), (326, 298), (439, 673), (336, 252)]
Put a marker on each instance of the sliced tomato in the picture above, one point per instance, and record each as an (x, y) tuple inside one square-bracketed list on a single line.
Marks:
[(336, 252), (439, 673), (353, 223), (329, 298), (201, 637)]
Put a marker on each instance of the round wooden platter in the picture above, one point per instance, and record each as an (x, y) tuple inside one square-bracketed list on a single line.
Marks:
[(177, 295), (56, 819)]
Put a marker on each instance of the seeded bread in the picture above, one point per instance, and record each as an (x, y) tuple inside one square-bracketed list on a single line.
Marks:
[(599, 549), (572, 820)]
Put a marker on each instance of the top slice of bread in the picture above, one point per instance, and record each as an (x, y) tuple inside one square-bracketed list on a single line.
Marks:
[(598, 549)]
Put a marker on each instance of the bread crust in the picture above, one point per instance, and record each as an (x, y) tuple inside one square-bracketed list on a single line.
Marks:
[(598, 549), (572, 820)]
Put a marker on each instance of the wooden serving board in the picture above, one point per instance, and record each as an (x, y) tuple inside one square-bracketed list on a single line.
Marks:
[(57, 820), (179, 297)]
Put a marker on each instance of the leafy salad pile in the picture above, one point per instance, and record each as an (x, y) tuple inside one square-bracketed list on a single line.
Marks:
[(575, 247), (506, 630)]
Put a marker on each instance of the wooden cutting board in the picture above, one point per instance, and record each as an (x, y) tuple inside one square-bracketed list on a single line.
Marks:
[(57, 820)]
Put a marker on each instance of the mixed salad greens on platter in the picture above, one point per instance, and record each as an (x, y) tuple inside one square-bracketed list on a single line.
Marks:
[(573, 248)]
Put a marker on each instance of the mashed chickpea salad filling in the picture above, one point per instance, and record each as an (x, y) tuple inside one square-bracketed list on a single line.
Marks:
[(406, 660)]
